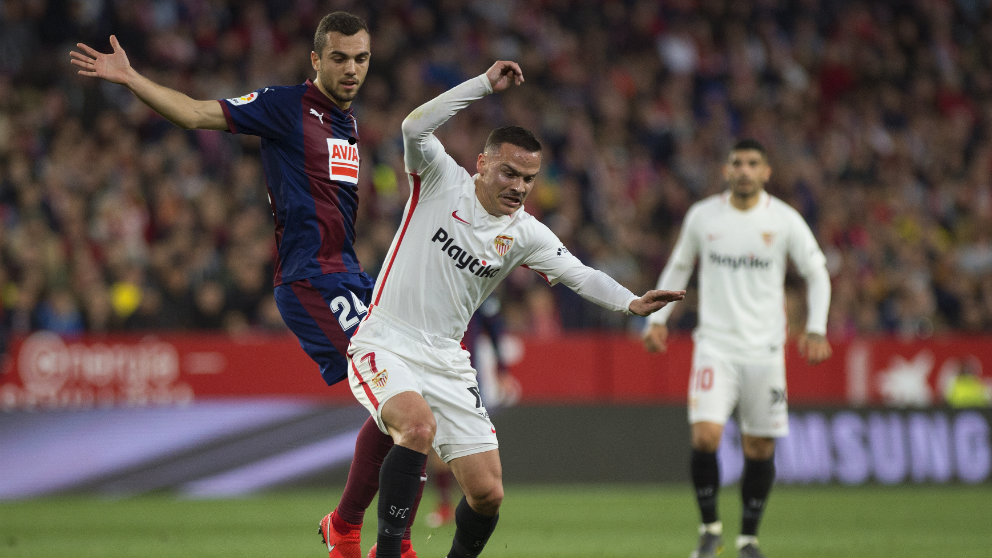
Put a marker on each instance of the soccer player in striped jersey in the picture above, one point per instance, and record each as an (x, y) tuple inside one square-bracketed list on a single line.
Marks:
[(309, 150), (742, 240), (459, 237)]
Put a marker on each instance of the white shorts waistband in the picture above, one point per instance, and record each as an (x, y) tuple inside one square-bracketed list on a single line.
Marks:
[(383, 318)]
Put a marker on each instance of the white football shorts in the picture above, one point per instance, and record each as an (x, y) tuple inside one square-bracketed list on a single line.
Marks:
[(387, 357), (755, 387)]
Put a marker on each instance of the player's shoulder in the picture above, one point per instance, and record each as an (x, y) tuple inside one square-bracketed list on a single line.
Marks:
[(270, 93), (524, 220), (710, 204), (781, 206), (282, 92), (713, 200), (529, 228), (776, 202), (533, 237), (780, 211)]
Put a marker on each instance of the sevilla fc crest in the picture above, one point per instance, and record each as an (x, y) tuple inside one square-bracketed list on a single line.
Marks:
[(503, 243), (380, 378)]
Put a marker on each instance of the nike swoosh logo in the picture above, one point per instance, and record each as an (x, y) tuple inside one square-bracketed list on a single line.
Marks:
[(455, 215)]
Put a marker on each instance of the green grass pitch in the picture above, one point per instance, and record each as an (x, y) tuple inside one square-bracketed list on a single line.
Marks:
[(543, 521)]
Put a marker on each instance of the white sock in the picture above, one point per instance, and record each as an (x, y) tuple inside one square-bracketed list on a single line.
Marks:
[(744, 540), (715, 528)]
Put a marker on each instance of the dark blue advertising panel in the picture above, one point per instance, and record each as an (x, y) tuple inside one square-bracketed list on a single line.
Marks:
[(650, 443), (881, 446)]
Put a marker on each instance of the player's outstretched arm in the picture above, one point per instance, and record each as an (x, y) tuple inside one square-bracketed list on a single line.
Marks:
[(654, 300), (177, 107), (503, 74)]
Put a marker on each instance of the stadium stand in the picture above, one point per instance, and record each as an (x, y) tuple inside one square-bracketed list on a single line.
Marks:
[(878, 119)]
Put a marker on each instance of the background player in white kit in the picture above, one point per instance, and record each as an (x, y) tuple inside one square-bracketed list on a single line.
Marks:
[(742, 239), (460, 236)]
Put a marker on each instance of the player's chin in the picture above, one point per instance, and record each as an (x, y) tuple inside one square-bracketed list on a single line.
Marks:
[(347, 93)]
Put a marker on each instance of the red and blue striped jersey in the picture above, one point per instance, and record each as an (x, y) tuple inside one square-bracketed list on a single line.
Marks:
[(309, 151)]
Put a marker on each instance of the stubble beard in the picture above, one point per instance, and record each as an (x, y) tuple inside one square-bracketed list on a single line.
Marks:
[(342, 98)]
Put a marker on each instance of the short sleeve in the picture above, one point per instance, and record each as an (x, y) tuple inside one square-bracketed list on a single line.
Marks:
[(270, 112)]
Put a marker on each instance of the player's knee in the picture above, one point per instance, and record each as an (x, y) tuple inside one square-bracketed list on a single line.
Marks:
[(706, 439), (486, 500), (758, 447), (416, 435), (707, 445)]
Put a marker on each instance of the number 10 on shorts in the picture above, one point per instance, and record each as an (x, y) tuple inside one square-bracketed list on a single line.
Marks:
[(702, 379)]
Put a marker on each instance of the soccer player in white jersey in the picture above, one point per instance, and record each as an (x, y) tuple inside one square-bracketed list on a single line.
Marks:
[(741, 240), (459, 237)]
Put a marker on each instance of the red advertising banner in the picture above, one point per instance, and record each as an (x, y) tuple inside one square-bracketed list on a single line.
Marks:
[(870, 372), (45, 371)]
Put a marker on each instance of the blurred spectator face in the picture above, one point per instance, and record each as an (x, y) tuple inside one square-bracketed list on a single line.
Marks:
[(210, 298), (746, 172), (342, 66)]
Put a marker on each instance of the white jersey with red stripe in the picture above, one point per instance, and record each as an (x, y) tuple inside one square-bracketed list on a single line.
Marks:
[(743, 258), (449, 253)]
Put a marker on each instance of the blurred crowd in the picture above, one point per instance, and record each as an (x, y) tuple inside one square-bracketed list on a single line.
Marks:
[(877, 117)]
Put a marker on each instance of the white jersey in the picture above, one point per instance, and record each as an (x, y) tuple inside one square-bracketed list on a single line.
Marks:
[(449, 253), (742, 259)]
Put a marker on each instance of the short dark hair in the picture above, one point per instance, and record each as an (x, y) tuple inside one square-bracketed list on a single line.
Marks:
[(337, 22), (514, 135), (750, 144)]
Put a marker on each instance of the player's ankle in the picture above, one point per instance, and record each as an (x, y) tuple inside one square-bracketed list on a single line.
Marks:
[(715, 528)]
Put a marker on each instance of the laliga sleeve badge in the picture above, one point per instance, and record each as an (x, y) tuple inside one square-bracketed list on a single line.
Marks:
[(244, 99)]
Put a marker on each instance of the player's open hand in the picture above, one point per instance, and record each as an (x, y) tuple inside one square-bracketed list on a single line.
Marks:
[(113, 67), (503, 74), (508, 390), (654, 300), (655, 338), (814, 347)]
